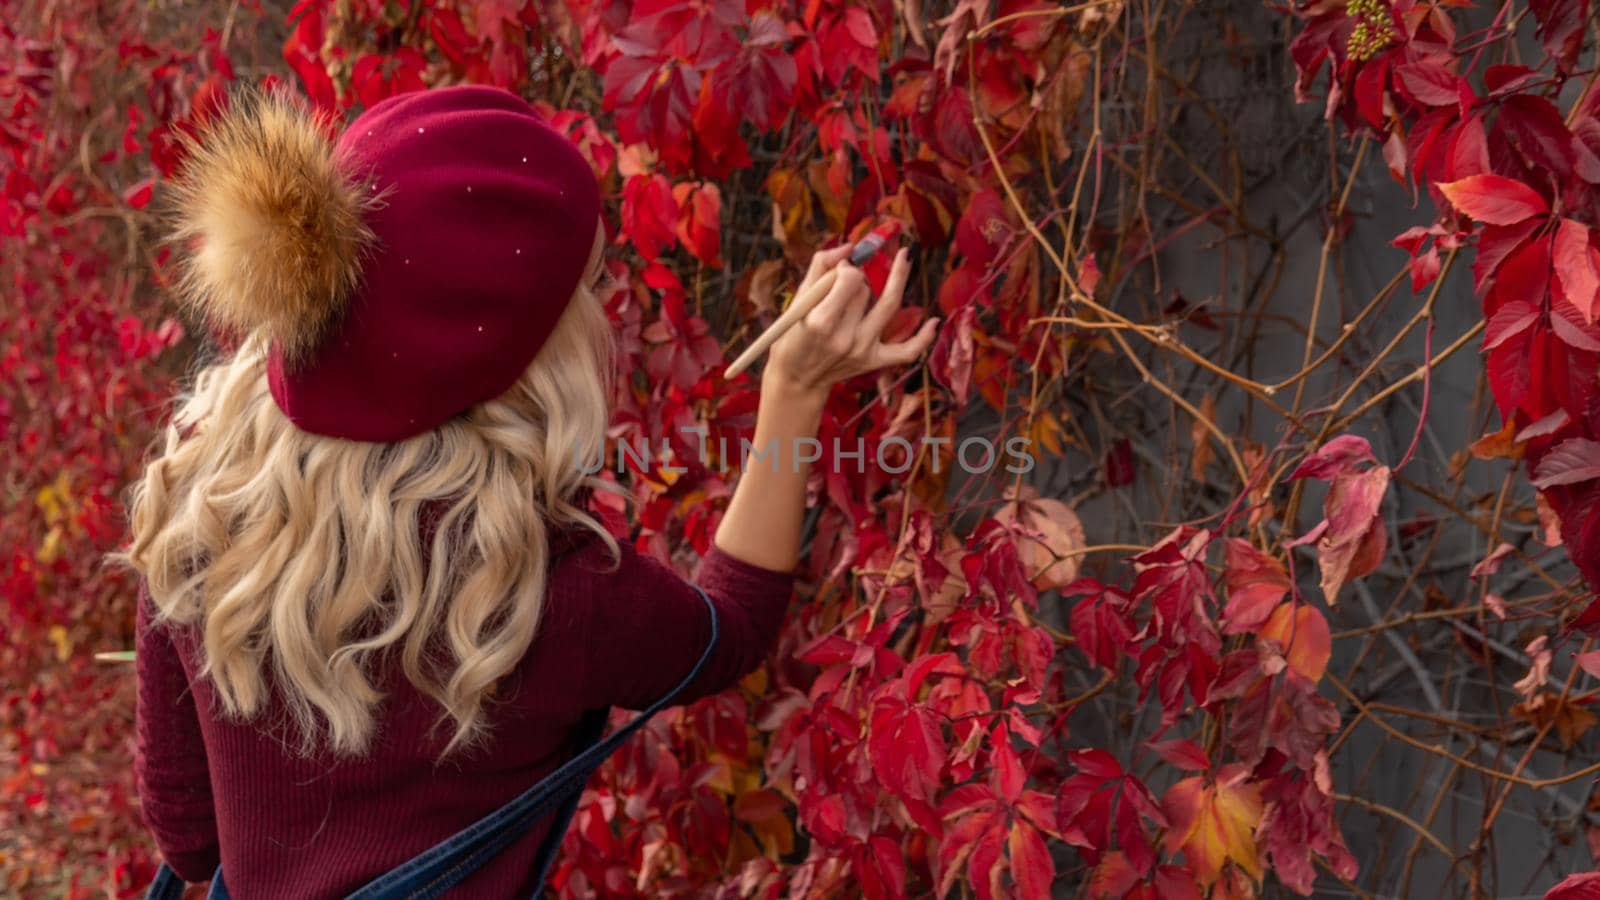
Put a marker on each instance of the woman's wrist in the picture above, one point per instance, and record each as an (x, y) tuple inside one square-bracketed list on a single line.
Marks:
[(778, 386)]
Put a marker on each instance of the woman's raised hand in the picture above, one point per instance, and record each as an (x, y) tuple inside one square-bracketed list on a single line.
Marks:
[(842, 336)]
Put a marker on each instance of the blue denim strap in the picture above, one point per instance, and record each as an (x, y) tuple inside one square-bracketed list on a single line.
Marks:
[(444, 865), (167, 886), (588, 732)]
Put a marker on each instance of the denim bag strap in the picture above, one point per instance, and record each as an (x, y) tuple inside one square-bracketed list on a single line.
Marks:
[(444, 865), (167, 886)]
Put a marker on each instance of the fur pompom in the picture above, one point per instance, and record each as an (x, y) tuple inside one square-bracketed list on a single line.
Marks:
[(269, 223)]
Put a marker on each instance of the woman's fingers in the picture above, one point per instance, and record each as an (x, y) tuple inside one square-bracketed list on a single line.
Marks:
[(907, 350), (889, 302), (823, 260), (849, 286)]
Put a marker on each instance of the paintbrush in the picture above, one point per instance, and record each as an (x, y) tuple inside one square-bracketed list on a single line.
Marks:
[(864, 250)]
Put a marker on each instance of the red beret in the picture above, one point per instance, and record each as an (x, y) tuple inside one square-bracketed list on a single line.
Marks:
[(487, 223)]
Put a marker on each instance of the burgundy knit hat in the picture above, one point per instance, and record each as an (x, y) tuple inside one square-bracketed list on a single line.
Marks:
[(404, 272)]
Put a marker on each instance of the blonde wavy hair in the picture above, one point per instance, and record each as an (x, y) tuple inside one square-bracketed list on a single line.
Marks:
[(298, 559), (281, 546)]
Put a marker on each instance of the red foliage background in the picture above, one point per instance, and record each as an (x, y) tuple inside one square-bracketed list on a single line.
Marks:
[(935, 720)]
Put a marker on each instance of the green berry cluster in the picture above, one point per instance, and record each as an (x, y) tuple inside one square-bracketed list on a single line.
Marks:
[(1374, 29)]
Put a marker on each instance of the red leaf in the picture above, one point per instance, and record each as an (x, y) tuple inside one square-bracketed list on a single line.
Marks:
[(1583, 886), (1503, 79), (1336, 457), (719, 148), (1009, 776), (1537, 129), (1428, 82), (958, 846), (1256, 582), (448, 32), (1491, 564), (1118, 464), (1494, 199), (761, 78), (1101, 629), (653, 95), (1352, 537), (1507, 322), (1424, 269), (906, 747), (1560, 28), (851, 42), (887, 862), (1586, 131), (1369, 91), (1589, 662), (1574, 260), (699, 224), (1570, 332), (649, 214), (951, 359), (1185, 755), (1113, 878), (1524, 276), (1469, 151), (1572, 461), (1354, 543), (1509, 367), (138, 195), (827, 821), (985, 225), (1031, 865), (1096, 763), (1495, 245)]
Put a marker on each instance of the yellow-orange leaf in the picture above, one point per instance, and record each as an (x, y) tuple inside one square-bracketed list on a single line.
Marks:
[(1500, 444), (1215, 822), (1303, 633)]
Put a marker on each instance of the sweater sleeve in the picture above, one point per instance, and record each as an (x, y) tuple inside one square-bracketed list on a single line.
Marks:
[(645, 634), (170, 769)]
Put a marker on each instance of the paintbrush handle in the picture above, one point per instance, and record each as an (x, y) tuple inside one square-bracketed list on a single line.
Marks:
[(802, 304)]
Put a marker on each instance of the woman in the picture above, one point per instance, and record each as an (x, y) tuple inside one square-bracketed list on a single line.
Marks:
[(424, 368)]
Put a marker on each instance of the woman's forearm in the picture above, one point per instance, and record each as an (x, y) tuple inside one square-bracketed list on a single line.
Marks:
[(763, 521), (839, 338)]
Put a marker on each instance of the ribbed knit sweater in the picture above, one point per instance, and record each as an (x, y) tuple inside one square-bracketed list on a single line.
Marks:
[(215, 790)]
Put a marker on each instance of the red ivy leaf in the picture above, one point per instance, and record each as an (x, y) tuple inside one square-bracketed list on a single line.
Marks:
[(906, 747), (1256, 582), (951, 359), (1575, 261), (1560, 28), (1428, 82), (649, 214), (1573, 460), (1031, 865), (1183, 754), (1101, 628), (1494, 199), (700, 220), (1583, 886), (1538, 130)]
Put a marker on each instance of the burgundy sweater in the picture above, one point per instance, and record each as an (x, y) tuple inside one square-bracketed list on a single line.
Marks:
[(213, 790)]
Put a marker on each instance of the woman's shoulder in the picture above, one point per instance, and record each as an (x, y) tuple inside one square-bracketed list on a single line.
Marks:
[(571, 540)]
